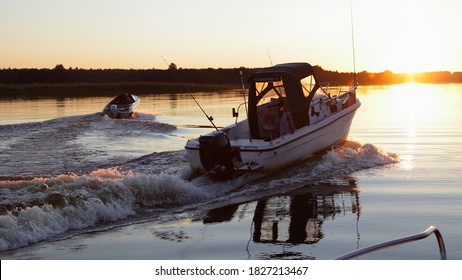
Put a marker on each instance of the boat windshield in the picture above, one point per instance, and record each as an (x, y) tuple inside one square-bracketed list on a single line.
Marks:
[(326, 89), (269, 90), (307, 85)]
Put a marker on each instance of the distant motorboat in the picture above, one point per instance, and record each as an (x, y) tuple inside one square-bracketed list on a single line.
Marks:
[(290, 117), (123, 106)]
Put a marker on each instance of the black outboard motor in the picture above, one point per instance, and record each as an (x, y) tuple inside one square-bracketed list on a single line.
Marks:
[(216, 155)]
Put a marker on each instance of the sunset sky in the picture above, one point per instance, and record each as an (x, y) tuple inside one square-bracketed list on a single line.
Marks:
[(401, 35)]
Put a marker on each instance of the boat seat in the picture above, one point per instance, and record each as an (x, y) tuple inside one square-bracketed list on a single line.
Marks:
[(269, 121), (287, 124)]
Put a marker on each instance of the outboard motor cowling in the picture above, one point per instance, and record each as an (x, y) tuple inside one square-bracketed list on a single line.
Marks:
[(216, 154), (113, 111)]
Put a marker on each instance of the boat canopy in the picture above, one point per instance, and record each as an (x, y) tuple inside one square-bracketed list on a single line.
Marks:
[(298, 70), (123, 98), (285, 81)]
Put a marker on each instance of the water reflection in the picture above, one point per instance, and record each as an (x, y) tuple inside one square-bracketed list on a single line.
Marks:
[(296, 217)]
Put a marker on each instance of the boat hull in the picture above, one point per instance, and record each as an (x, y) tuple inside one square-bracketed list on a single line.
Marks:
[(122, 110), (269, 156)]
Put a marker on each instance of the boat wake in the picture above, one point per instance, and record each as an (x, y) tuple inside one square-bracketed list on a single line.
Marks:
[(334, 167), (37, 208), (77, 144)]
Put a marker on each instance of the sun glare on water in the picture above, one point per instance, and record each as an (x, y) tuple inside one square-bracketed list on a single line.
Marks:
[(411, 105), (419, 106), (413, 110)]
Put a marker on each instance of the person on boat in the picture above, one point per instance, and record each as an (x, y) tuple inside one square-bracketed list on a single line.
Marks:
[(287, 124), (125, 99)]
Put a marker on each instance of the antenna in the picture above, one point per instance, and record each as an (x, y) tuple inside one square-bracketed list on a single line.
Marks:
[(210, 118), (353, 38)]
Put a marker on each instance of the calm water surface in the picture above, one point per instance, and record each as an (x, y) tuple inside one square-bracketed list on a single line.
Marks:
[(77, 185)]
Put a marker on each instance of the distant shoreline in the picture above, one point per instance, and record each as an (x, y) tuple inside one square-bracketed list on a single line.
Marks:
[(74, 82), (28, 91), (36, 91)]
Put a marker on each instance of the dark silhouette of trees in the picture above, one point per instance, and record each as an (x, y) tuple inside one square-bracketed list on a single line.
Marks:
[(172, 66), (230, 76)]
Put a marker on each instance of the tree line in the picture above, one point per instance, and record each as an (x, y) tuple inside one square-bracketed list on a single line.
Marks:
[(221, 76)]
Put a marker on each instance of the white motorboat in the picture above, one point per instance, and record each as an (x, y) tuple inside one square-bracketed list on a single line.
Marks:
[(290, 116), (123, 106)]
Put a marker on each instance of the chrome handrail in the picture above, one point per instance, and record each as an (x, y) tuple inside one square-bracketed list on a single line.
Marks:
[(324, 86), (410, 238)]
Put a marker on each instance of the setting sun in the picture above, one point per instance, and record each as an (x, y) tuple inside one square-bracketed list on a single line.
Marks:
[(417, 46), (408, 36), (414, 52)]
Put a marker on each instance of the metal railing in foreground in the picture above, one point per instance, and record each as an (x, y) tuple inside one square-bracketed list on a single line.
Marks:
[(410, 238)]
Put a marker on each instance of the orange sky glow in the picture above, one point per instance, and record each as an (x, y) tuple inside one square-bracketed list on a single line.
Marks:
[(396, 35)]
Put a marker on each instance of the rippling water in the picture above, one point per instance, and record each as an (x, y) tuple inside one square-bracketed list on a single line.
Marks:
[(75, 184)]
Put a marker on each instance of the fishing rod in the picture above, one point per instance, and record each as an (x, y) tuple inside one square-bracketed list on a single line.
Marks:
[(210, 118), (245, 102), (269, 57), (243, 93)]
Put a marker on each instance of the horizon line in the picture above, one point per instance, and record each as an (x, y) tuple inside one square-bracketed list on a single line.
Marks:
[(240, 67)]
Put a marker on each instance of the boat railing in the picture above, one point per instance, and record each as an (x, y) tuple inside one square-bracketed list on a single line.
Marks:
[(421, 235), (236, 112), (332, 88)]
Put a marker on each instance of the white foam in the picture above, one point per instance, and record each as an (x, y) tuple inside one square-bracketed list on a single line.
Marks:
[(77, 202), (41, 208), (333, 168), (163, 189), (354, 156)]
